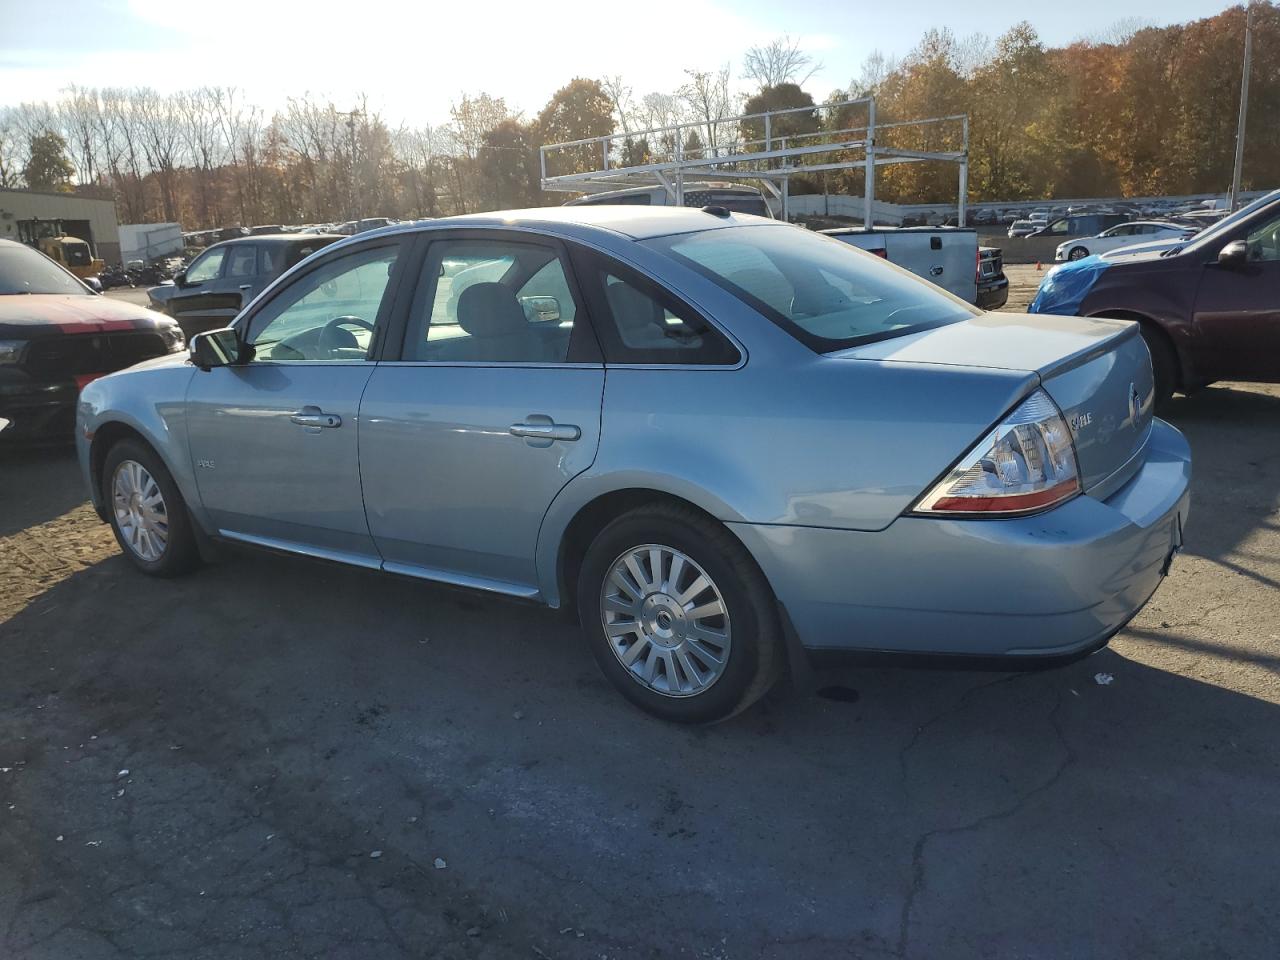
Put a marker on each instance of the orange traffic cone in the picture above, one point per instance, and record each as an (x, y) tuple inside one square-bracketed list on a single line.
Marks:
[(1038, 267)]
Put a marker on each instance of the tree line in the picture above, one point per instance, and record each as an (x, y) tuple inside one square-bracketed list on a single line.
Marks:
[(1139, 111)]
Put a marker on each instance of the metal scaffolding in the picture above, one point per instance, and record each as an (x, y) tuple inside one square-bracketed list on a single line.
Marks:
[(721, 149)]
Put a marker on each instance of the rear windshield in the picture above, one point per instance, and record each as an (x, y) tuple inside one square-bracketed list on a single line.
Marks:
[(827, 294), (23, 270)]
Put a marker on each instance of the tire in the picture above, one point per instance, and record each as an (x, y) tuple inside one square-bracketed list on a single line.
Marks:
[(673, 673), (1164, 364), (166, 544), (1077, 253)]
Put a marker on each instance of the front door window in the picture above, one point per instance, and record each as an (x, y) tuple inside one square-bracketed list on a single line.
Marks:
[(327, 314)]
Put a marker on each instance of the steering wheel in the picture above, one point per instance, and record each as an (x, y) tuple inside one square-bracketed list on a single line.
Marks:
[(333, 337)]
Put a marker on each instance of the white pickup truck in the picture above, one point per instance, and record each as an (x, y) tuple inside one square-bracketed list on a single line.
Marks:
[(947, 256)]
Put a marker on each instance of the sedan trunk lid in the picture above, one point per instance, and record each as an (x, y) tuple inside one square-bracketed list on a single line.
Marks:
[(1097, 371)]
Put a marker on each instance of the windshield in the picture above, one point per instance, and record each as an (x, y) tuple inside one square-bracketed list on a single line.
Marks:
[(23, 270), (1208, 234), (827, 294)]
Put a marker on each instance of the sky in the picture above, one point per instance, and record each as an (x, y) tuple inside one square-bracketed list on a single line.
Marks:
[(415, 58)]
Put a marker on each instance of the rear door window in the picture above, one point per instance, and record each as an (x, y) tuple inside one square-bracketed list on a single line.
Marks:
[(493, 301)]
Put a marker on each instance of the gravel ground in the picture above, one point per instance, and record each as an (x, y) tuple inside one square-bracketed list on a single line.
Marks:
[(276, 758)]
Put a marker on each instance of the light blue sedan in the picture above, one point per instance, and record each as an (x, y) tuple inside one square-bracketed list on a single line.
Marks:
[(726, 442)]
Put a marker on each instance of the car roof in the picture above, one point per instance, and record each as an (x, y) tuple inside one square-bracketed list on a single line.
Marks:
[(637, 223), (276, 238)]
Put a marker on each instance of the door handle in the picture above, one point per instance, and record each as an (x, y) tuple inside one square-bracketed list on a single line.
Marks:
[(314, 417), (246, 286), (546, 431)]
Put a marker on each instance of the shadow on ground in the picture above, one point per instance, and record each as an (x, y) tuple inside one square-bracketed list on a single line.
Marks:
[(207, 768), (280, 721)]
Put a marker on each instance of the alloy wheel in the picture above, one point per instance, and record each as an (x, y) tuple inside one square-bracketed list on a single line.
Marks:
[(140, 511), (666, 620)]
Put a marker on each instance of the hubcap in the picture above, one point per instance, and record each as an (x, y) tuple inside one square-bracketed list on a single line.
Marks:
[(666, 621), (140, 510)]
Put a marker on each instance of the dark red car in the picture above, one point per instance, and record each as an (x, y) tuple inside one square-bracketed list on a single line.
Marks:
[(1209, 306), (56, 334)]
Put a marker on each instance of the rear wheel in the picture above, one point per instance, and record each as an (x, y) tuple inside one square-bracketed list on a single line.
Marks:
[(678, 616), (1077, 253), (148, 515)]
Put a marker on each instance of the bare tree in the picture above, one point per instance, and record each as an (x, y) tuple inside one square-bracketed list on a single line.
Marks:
[(78, 112), (1122, 31), (707, 96), (619, 94), (777, 62), (876, 69), (161, 141), (10, 150), (197, 115)]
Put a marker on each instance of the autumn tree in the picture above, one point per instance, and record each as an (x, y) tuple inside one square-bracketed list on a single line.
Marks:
[(577, 111), (784, 96)]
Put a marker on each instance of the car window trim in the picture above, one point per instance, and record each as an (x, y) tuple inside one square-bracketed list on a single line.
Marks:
[(386, 311), (585, 339)]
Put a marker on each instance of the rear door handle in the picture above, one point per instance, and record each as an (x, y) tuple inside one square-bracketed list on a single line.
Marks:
[(315, 417), (546, 431), (246, 286)]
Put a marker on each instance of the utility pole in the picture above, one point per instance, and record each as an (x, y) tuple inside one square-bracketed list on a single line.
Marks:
[(354, 198), (1244, 106)]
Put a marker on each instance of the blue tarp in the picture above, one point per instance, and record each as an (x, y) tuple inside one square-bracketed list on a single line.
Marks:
[(1064, 288)]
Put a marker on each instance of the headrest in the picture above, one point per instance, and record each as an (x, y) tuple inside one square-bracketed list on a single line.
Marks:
[(490, 310)]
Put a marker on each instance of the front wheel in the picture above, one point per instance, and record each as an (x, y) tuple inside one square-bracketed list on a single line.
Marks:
[(148, 515), (1077, 253), (678, 616)]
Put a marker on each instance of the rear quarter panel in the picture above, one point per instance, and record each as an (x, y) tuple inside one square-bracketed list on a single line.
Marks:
[(843, 444)]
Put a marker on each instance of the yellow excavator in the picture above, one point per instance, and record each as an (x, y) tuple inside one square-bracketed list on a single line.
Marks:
[(73, 253)]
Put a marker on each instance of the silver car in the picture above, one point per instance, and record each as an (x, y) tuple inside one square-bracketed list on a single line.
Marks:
[(725, 441)]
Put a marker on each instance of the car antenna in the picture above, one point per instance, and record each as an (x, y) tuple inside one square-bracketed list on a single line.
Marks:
[(716, 210)]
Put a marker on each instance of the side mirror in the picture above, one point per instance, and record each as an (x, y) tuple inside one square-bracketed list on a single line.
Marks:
[(541, 309), (219, 348), (1234, 254), (180, 278), (94, 284)]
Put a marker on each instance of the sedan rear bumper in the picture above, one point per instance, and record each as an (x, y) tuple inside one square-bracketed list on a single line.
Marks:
[(1051, 585)]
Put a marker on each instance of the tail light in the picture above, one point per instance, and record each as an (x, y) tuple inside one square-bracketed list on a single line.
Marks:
[(1025, 465)]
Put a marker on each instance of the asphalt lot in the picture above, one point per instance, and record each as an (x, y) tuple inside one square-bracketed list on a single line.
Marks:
[(277, 758)]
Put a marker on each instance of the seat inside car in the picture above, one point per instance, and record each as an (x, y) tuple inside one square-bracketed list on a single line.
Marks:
[(498, 330)]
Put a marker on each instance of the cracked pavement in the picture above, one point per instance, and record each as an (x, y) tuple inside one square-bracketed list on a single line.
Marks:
[(280, 721)]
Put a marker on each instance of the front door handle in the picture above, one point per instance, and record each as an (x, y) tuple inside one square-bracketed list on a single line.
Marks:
[(246, 286), (546, 431), (315, 417)]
